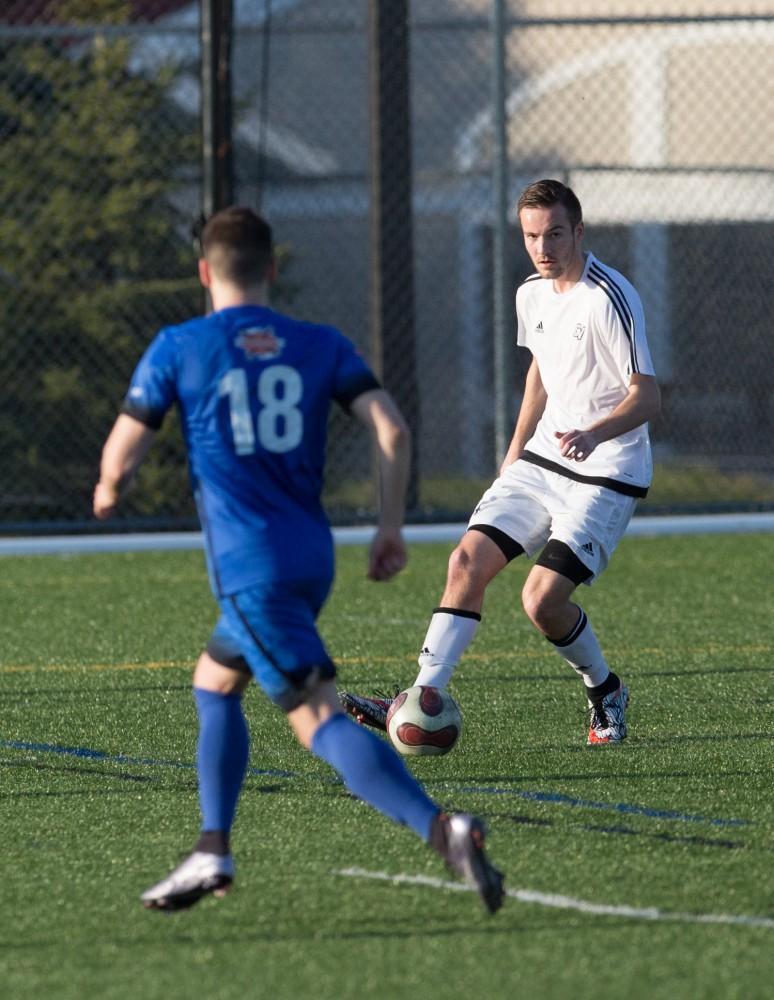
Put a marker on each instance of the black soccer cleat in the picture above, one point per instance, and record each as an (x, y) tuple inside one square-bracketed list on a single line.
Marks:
[(366, 711), (459, 839)]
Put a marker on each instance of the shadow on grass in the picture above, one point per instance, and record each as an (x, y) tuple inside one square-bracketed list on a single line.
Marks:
[(690, 840), (501, 925), (190, 785), (522, 778), (65, 769), (470, 679)]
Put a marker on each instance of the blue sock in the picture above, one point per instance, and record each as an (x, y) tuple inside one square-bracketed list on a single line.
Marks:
[(374, 772), (221, 756)]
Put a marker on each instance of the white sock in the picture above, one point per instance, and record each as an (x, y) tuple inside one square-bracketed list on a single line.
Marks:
[(450, 633), (581, 650)]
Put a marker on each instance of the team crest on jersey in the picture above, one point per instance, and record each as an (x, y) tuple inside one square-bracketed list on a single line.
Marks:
[(579, 330), (260, 343)]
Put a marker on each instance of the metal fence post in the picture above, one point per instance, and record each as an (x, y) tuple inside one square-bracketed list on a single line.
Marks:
[(392, 244), (502, 325), (217, 154)]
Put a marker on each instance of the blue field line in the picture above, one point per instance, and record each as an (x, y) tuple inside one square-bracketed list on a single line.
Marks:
[(123, 759), (620, 807), (556, 798)]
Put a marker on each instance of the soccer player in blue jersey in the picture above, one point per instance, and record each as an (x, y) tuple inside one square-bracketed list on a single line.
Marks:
[(578, 460), (253, 388)]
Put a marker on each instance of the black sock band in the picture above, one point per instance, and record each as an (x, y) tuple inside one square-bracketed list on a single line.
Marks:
[(213, 842), (459, 612), (576, 630), (609, 684)]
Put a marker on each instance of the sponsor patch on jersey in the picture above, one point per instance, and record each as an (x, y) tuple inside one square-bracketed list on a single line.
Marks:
[(579, 330), (260, 343)]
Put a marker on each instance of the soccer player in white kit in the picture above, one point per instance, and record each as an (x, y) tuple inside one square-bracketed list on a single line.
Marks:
[(577, 463)]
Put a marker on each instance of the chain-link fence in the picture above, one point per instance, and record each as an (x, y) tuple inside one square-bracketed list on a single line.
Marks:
[(655, 113)]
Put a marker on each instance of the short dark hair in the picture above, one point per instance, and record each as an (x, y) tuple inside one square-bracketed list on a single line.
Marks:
[(237, 244), (545, 193)]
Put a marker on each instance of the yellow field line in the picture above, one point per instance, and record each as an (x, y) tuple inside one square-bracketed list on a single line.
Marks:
[(18, 668)]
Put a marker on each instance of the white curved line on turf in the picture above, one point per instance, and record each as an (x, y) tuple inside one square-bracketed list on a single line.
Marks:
[(642, 525), (560, 902)]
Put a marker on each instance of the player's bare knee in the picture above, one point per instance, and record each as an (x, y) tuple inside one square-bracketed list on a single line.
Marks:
[(539, 605), (311, 706), (465, 572), (222, 678)]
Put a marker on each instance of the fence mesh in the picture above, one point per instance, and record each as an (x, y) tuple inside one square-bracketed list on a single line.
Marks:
[(656, 114)]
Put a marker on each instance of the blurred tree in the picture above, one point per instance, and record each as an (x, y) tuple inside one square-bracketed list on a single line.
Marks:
[(94, 258)]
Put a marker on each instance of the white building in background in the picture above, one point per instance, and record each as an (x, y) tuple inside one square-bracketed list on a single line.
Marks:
[(657, 123)]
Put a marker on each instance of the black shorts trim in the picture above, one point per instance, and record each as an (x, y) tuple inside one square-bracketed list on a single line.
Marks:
[(561, 559), (303, 687), (627, 489), (224, 659), (507, 545)]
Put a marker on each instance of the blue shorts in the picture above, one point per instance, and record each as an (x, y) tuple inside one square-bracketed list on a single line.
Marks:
[(271, 631)]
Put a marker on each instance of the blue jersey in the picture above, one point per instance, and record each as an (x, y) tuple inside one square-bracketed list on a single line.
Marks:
[(253, 388)]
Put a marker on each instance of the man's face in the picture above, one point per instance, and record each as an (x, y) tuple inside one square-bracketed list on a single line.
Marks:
[(553, 245)]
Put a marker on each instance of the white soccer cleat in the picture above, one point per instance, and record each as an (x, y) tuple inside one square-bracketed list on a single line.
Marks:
[(201, 873), (608, 719)]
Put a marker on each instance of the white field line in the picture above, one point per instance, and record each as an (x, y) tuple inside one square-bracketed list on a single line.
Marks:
[(648, 526), (561, 902)]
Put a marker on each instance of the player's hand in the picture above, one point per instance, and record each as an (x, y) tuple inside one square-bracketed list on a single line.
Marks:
[(388, 554), (105, 501), (575, 444)]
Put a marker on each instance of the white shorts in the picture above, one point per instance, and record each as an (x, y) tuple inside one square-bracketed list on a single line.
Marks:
[(532, 505)]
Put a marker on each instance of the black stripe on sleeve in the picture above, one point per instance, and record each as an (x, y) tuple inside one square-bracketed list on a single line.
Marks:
[(364, 382), (617, 296), (151, 418)]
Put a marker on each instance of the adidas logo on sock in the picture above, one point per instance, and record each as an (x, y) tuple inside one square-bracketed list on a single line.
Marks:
[(588, 547)]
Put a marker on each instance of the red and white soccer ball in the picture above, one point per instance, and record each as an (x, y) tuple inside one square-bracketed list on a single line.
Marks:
[(424, 721)]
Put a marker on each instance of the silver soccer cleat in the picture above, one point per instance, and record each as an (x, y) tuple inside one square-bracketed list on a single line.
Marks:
[(201, 873), (459, 839)]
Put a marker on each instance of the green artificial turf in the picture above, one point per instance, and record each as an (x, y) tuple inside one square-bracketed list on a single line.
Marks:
[(673, 830)]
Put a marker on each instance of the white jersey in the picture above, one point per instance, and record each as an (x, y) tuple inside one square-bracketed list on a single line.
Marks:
[(587, 343)]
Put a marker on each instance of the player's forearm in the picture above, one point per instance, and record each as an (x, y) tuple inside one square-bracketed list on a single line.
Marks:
[(532, 406), (124, 450), (394, 444), (377, 411), (641, 404)]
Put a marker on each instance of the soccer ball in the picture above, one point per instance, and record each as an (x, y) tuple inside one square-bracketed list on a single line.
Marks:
[(424, 721)]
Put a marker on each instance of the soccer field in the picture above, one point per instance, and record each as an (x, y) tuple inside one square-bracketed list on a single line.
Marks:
[(643, 871)]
